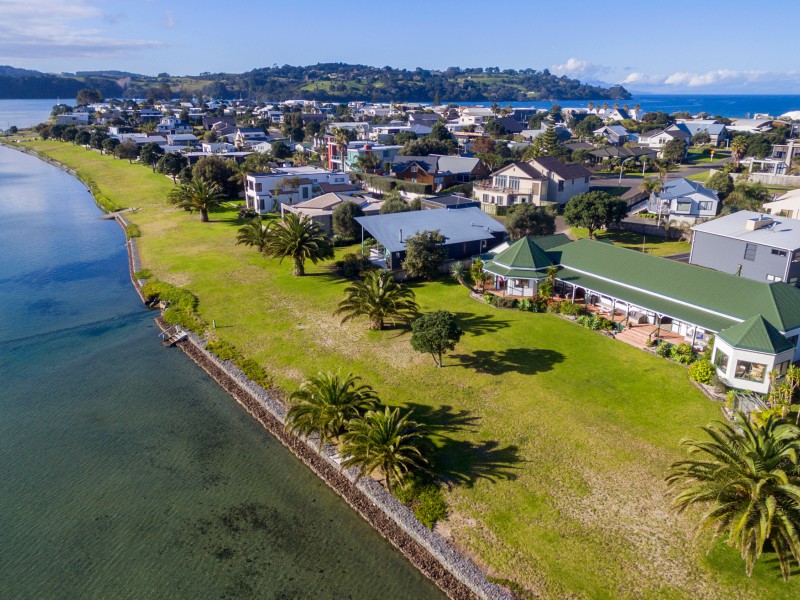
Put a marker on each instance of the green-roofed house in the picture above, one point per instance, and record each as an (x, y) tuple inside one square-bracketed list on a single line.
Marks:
[(757, 324)]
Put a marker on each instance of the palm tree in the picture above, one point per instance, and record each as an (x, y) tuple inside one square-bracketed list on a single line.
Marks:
[(746, 196), (738, 149), (748, 477), (298, 238), (650, 185), (369, 162), (239, 176), (326, 402), (197, 195), (378, 297), (458, 271), (384, 440), (341, 138), (253, 234)]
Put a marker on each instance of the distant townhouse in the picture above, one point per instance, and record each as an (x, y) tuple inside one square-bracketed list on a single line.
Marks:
[(684, 200), (566, 181), (657, 140), (438, 171), (348, 161), (320, 209), (75, 118), (213, 122), (517, 183), (750, 125), (182, 139), (172, 126), (717, 132), (290, 185), (750, 244), (247, 137), (616, 135)]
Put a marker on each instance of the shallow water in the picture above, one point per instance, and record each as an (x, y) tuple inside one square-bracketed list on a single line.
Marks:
[(125, 472)]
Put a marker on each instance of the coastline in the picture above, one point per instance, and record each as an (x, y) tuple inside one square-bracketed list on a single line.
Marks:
[(456, 575)]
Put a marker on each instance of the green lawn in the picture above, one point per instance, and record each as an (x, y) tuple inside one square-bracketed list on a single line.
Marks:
[(703, 155), (553, 440), (649, 244)]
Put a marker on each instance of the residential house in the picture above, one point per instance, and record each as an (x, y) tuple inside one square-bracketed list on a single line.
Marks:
[(215, 122), (786, 205), (467, 231), (511, 125), (73, 118), (717, 132), (517, 183), (418, 169), (289, 185), (657, 140), (348, 162), (451, 202), (247, 137), (172, 126), (320, 209), (787, 152), (426, 119), (621, 152), (566, 181), (616, 135), (750, 244), (684, 200), (182, 139), (750, 125)]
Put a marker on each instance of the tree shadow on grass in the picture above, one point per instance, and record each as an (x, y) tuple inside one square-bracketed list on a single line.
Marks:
[(526, 361), (480, 324), (463, 462)]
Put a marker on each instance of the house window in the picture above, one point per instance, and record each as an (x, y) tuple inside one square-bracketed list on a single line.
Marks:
[(750, 251), (684, 206), (777, 252), (560, 186), (706, 204), (486, 197), (305, 193), (585, 180), (773, 278), (414, 168), (721, 360), (258, 187), (500, 181), (513, 183), (748, 371), (781, 368)]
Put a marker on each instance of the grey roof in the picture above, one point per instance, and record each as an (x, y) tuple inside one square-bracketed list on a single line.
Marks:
[(458, 226), (695, 128), (526, 168), (429, 163), (678, 188), (573, 171), (511, 124), (451, 200), (456, 164), (622, 152), (784, 234)]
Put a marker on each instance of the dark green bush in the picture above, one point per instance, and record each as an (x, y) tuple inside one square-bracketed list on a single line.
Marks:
[(353, 266), (702, 371), (664, 349), (223, 350), (683, 354), (571, 309), (425, 499), (253, 371), (143, 274), (503, 302), (132, 230)]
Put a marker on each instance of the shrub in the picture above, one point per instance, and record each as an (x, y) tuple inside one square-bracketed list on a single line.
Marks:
[(181, 304), (424, 499), (132, 230), (702, 371), (353, 266), (143, 274), (489, 298), (709, 348), (664, 349), (651, 343), (503, 302), (247, 213), (554, 307), (223, 350), (525, 304), (253, 371), (683, 354), (730, 399), (571, 309)]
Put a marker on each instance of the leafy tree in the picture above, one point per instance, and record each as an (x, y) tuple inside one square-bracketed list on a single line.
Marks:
[(440, 132), (494, 128), (746, 196), (292, 126), (385, 440), (300, 239), (393, 203), (88, 96), (435, 333), (98, 136), (171, 164), (478, 275), (253, 234), (425, 146), (529, 220), (701, 138), (198, 195), (674, 151), (127, 149), (280, 150), (402, 138), (82, 137), (109, 144), (721, 182), (483, 145), (759, 146), (650, 185), (587, 126), (594, 210), (312, 129), (748, 479), (369, 162), (217, 170), (379, 297), (344, 220), (425, 254), (326, 403)]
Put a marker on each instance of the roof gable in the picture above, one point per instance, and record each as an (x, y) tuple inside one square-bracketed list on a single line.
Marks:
[(524, 254), (756, 334)]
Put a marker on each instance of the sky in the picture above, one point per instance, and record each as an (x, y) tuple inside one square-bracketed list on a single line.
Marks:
[(674, 46)]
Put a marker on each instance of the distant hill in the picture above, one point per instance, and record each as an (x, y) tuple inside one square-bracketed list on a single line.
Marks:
[(337, 82)]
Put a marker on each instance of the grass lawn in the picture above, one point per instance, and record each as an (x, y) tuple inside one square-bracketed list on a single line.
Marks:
[(703, 155), (652, 245), (553, 440)]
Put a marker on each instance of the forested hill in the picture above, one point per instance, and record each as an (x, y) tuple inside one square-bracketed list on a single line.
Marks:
[(330, 81)]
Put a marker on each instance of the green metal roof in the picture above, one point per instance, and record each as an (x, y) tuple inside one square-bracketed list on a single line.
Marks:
[(524, 254), (547, 242), (722, 297), (756, 334)]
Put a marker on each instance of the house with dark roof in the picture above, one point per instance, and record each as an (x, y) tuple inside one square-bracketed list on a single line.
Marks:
[(566, 181), (517, 183), (320, 209), (438, 170), (451, 201), (756, 324), (467, 231), (717, 132)]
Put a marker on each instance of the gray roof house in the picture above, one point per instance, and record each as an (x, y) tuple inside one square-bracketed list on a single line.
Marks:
[(716, 131), (684, 200), (468, 231), (750, 244), (616, 135)]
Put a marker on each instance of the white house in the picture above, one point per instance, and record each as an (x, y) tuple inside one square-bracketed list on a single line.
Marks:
[(787, 205), (288, 185), (173, 125), (684, 200)]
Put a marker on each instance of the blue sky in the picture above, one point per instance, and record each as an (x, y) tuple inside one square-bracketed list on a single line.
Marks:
[(678, 46)]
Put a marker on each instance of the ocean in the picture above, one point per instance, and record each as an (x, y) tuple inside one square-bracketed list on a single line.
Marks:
[(126, 471)]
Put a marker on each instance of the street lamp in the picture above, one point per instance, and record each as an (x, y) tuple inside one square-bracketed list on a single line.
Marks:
[(622, 169)]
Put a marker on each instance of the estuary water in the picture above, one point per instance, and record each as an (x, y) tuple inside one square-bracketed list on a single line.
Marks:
[(126, 472)]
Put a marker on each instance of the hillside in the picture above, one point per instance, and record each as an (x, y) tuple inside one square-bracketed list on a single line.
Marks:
[(327, 82)]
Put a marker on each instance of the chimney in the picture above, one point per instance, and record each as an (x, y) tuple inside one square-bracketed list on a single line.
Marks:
[(758, 223), (401, 236)]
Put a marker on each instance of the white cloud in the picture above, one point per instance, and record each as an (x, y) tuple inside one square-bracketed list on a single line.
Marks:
[(727, 79), (579, 69), (58, 29), (169, 19)]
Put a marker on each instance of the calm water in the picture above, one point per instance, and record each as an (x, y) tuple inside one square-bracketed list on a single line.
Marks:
[(125, 472)]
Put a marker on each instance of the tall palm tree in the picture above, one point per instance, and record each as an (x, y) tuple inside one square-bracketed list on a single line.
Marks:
[(326, 402), (738, 149), (253, 234), (650, 185), (197, 195), (298, 238), (748, 477), (458, 271), (341, 138), (378, 297), (239, 177), (384, 440), (369, 162)]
